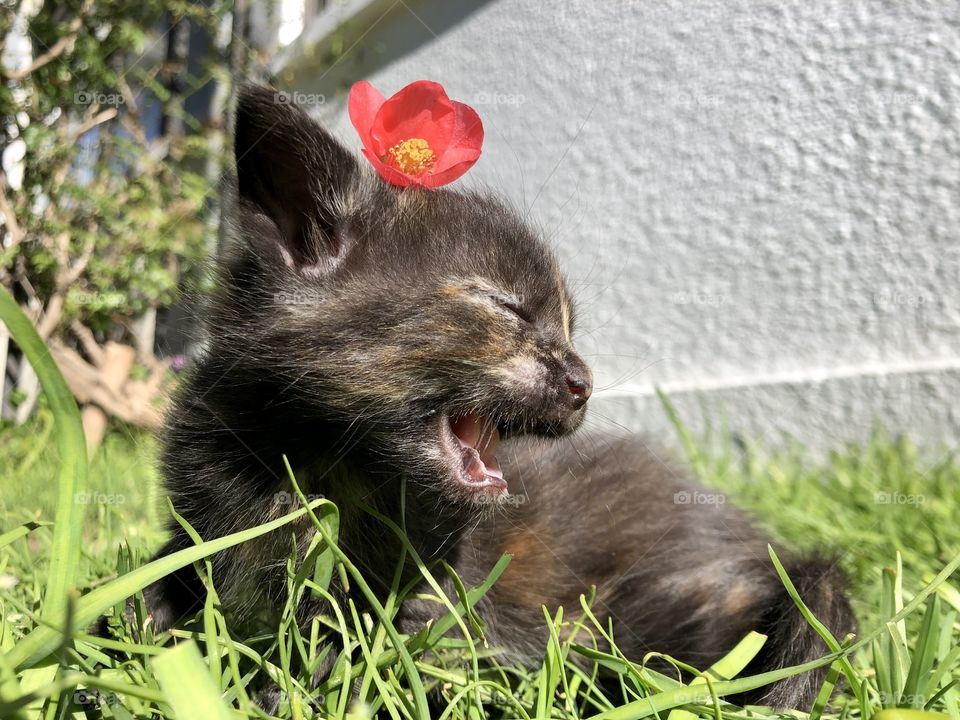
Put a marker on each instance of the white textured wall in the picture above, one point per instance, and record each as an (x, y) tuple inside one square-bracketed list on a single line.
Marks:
[(758, 202)]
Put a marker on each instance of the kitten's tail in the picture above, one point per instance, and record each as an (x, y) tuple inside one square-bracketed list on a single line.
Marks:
[(791, 641)]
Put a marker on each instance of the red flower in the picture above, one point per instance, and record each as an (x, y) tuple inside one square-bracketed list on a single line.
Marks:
[(417, 137)]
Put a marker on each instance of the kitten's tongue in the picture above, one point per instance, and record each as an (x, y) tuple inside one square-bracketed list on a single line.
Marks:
[(478, 438)]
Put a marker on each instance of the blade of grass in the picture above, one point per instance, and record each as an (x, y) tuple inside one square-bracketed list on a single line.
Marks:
[(432, 633), (552, 667), (210, 604), (406, 661), (899, 659), (44, 639), (815, 623), (187, 685), (19, 532), (72, 475), (826, 691), (694, 455), (686, 695), (727, 667), (943, 691), (72, 680), (733, 663), (385, 694), (924, 654)]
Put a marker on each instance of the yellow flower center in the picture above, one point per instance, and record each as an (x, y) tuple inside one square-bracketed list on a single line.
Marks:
[(413, 156)]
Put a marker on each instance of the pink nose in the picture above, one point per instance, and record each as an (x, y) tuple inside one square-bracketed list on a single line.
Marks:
[(580, 389)]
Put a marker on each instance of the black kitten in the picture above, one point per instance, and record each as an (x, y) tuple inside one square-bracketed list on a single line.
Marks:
[(372, 333)]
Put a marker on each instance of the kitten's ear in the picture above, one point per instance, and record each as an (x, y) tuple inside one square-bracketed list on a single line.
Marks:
[(290, 172)]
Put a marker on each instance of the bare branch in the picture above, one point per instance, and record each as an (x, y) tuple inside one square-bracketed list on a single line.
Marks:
[(73, 272), (9, 216), (132, 403), (51, 316), (92, 122), (88, 341), (129, 97)]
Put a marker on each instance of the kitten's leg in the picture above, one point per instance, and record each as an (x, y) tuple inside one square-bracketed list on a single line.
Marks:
[(168, 601), (719, 604), (172, 598), (692, 591)]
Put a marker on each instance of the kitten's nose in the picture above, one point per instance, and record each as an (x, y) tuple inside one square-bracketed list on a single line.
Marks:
[(580, 387)]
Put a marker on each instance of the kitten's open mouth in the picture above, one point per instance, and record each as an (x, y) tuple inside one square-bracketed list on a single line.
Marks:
[(469, 443)]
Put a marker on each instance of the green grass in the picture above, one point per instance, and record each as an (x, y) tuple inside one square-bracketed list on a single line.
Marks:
[(123, 498), (901, 556)]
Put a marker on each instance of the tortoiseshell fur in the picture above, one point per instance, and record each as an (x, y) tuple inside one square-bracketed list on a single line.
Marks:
[(351, 318)]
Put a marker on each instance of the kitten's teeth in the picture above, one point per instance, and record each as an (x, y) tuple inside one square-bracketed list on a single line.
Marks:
[(487, 446), (472, 464)]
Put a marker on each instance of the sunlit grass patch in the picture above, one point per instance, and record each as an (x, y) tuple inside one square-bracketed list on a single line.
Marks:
[(887, 514)]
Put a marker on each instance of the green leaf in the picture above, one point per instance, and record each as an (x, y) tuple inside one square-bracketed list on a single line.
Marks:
[(186, 684), (420, 704), (915, 688), (694, 455), (552, 668), (19, 532), (909, 714), (43, 640), (733, 663), (815, 623), (323, 558), (826, 691), (72, 476)]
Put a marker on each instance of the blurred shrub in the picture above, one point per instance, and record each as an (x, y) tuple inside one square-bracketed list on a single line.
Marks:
[(111, 115)]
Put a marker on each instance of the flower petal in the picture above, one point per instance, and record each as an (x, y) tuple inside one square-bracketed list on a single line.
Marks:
[(420, 110), (465, 142), (436, 179), (363, 103)]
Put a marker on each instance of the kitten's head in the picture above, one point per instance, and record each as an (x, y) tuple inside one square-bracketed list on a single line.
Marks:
[(427, 324)]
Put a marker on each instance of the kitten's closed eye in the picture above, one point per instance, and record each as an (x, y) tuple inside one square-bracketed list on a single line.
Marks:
[(512, 305)]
